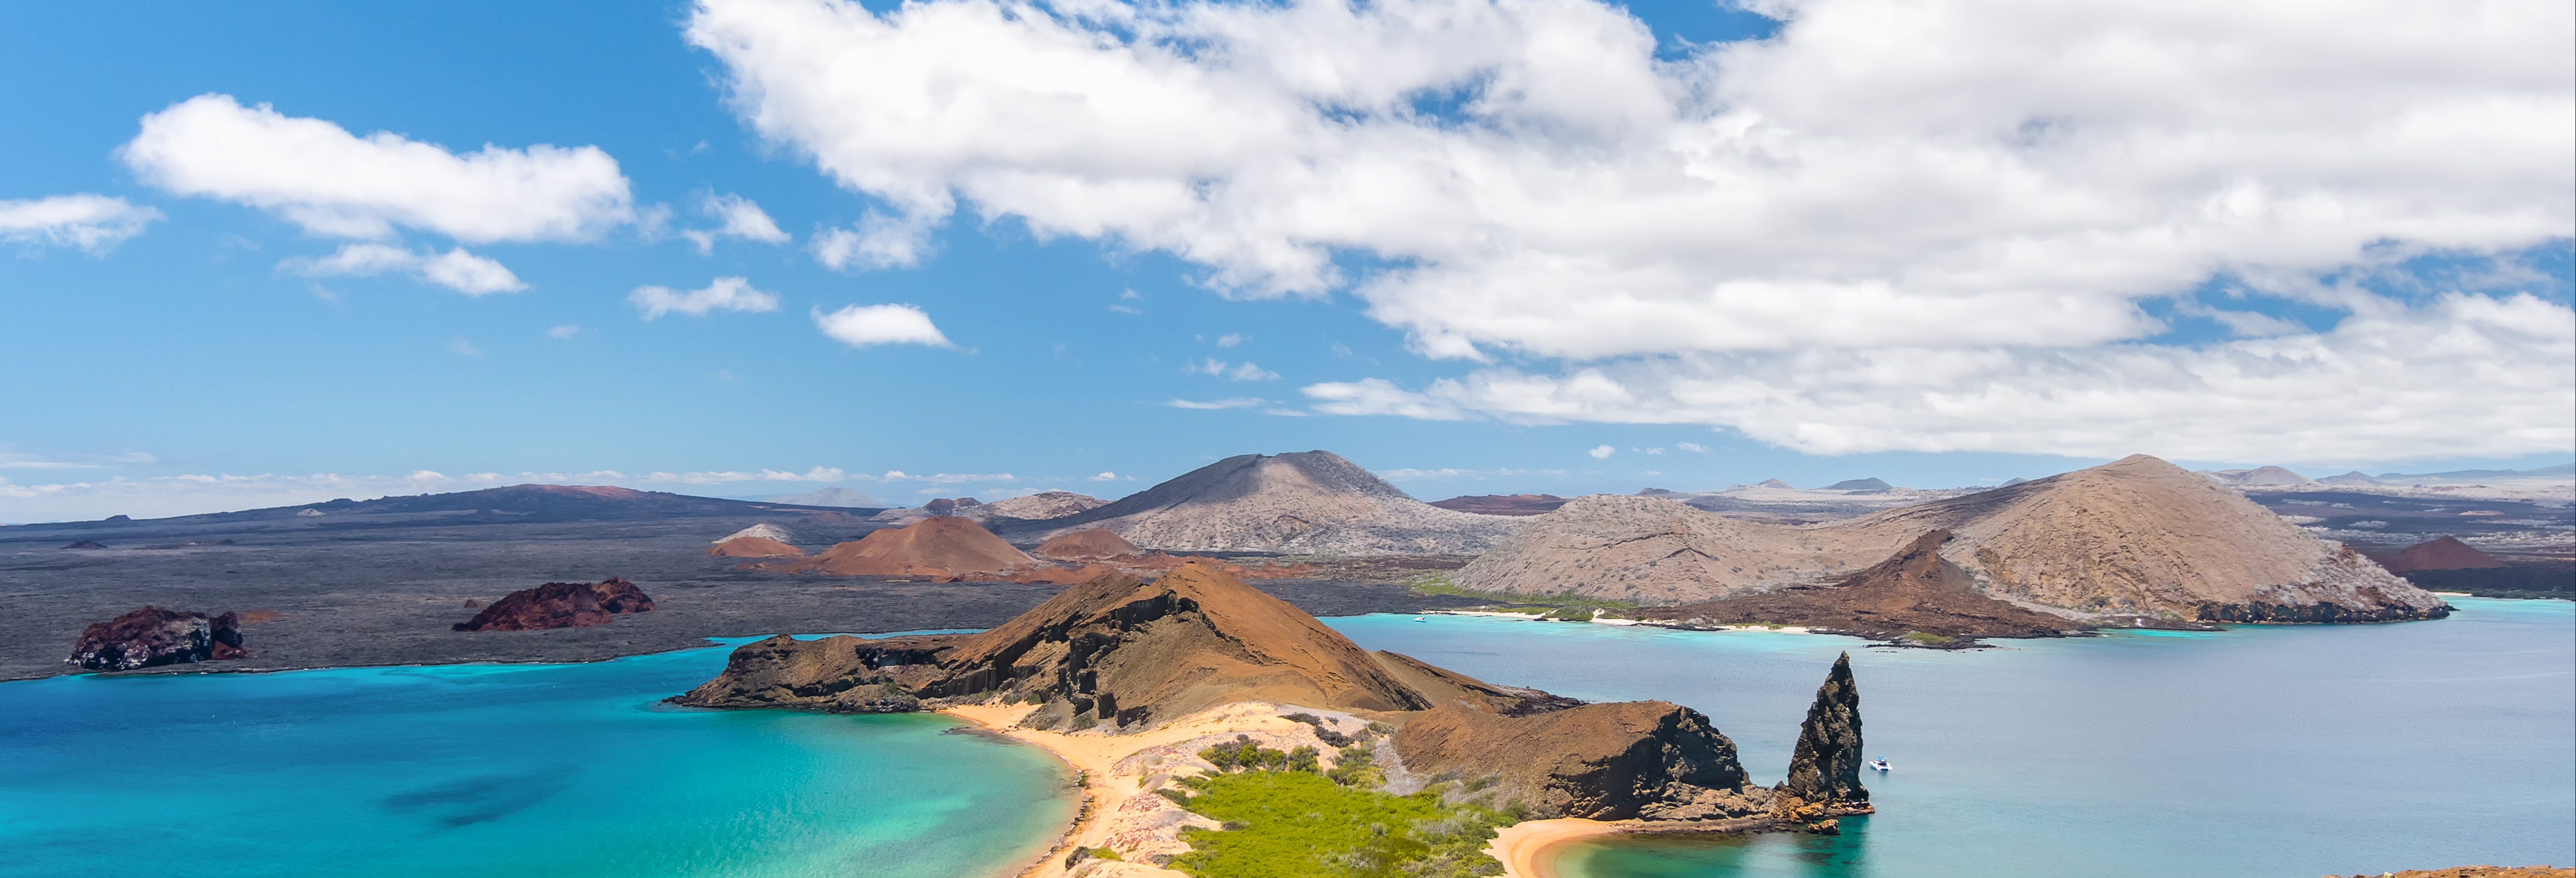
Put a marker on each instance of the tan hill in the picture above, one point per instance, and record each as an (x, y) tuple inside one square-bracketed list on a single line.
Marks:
[(1122, 657), (1311, 502), (2445, 553), (1914, 591), (941, 547), (754, 547), (1086, 545), (2137, 536), (1038, 507), (1656, 551), (1503, 504)]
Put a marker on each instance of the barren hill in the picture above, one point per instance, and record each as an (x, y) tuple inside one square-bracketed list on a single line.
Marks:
[(1085, 545), (940, 547), (1503, 504), (2137, 536), (2444, 553), (1305, 502)]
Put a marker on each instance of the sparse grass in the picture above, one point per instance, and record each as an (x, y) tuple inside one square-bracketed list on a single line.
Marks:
[(1295, 824), (1444, 584), (1927, 639)]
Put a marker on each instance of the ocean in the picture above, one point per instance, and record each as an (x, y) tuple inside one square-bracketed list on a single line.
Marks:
[(2264, 752)]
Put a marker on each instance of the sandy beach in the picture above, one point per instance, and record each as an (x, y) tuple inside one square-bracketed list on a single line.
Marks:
[(1526, 848)]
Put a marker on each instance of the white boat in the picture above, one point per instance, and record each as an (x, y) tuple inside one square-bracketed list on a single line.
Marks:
[(1421, 619), (1879, 764)]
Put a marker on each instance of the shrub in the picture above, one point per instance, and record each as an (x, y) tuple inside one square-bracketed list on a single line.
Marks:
[(1285, 824)]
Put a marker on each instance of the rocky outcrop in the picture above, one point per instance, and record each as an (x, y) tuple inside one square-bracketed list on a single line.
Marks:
[(153, 636), (1632, 759), (763, 530), (560, 605), (1503, 504), (1091, 544), (2135, 538), (941, 547), (754, 547), (1915, 597), (1825, 768), (1041, 506), (86, 544), (1311, 502)]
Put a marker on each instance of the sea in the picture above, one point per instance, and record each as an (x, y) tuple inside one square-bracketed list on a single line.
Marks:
[(2265, 752), (2260, 751), (499, 771)]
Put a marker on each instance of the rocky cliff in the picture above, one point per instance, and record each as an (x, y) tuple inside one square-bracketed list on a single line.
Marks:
[(1825, 769), (560, 605), (1311, 502), (153, 636), (1631, 759)]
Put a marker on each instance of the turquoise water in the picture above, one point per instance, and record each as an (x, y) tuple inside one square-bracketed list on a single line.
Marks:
[(2274, 752), (563, 771)]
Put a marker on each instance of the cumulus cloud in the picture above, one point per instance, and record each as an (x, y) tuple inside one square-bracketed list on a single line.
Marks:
[(880, 241), (1602, 452), (1245, 371), (1977, 187), (1105, 476), (317, 175), (95, 223), (736, 217), (1239, 402), (455, 269), (724, 294), (862, 325), (1692, 447)]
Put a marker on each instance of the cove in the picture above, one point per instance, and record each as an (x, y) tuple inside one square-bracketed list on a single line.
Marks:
[(561, 771), (2262, 751)]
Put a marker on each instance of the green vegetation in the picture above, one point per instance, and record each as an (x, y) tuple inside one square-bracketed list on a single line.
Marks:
[(1297, 824), (1241, 754), (1443, 583), (1569, 614), (1922, 638), (1356, 766)]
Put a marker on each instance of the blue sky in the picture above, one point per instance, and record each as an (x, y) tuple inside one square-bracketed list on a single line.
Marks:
[(150, 368)]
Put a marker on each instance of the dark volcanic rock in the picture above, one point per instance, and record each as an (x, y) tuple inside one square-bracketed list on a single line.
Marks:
[(1825, 770), (560, 605), (1503, 504), (949, 505), (87, 544), (154, 636), (1628, 759), (2445, 553)]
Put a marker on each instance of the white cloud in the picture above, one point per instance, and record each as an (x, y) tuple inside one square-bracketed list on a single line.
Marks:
[(736, 217), (1967, 186), (1105, 476), (1239, 402), (95, 223), (863, 325), (1692, 447), (879, 242), (2470, 376), (723, 294), (567, 330), (1245, 371), (896, 475), (1602, 452), (1229, 340), (318, 175), (463, 347), (455, 269)]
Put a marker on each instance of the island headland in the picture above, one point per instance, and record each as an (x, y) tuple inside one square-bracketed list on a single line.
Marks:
[(1137, 683)]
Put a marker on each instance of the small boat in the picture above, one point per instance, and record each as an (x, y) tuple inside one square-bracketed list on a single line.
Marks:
[(1879, 763), (1421, 619)]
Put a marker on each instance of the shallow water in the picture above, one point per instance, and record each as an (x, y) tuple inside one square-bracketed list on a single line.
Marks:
[(563, 771), (2262, 751)]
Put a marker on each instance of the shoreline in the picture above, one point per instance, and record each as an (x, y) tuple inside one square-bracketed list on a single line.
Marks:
[(1527, 849)]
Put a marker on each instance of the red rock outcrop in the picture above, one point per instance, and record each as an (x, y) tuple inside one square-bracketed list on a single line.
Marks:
[(754, 547), (560, 605), (942, 547), (153, 636), (2445, 553)]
